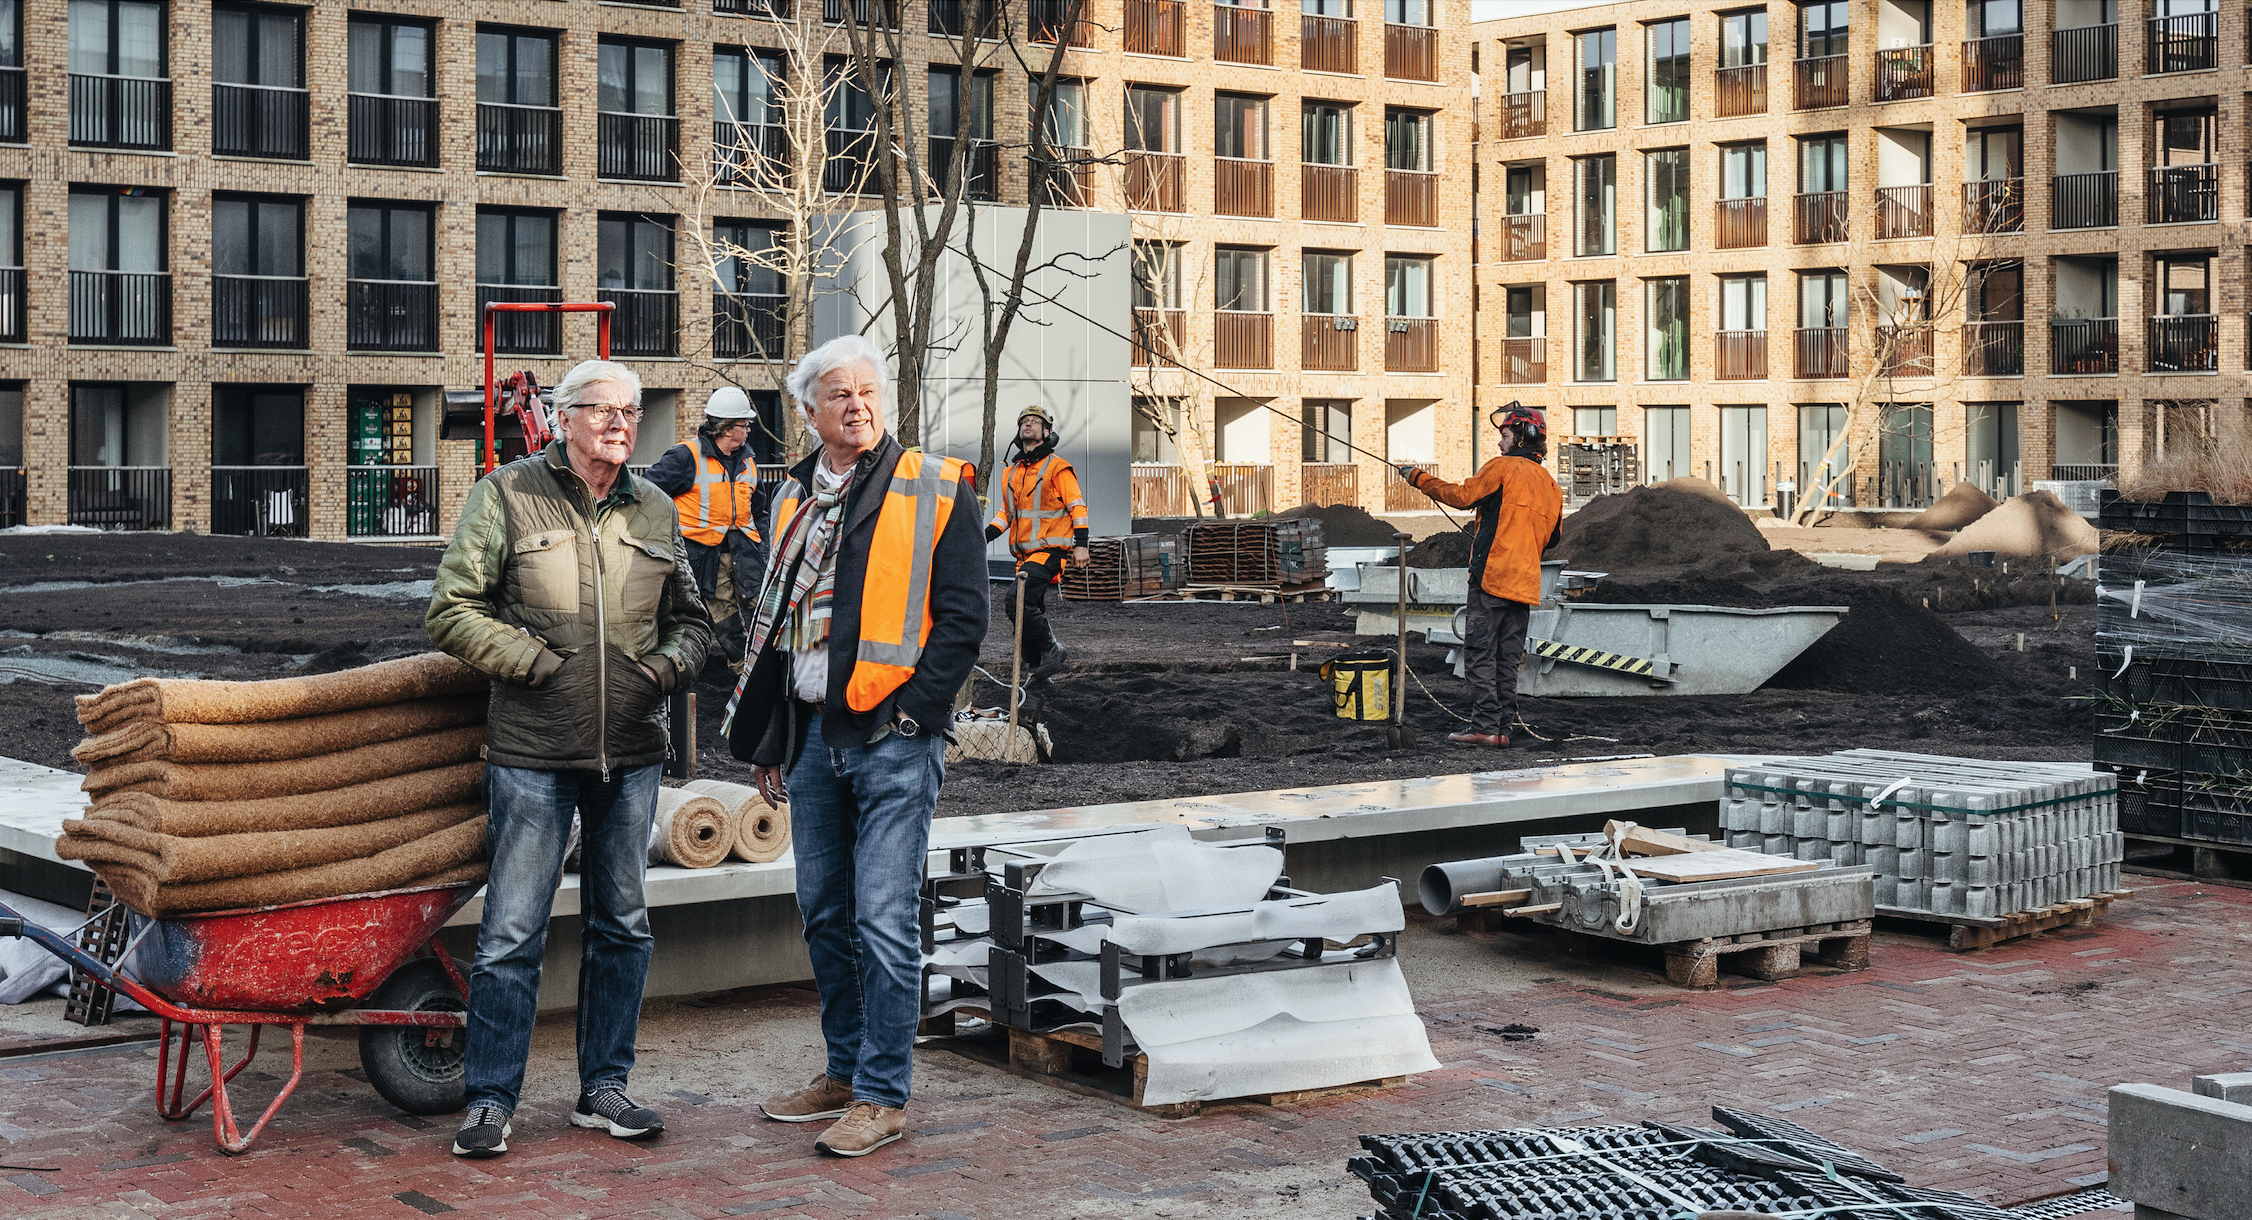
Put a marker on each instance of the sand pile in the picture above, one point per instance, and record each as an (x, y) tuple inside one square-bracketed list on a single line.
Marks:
[(1446, 549), (1963, 504), (1342, 524), (2035, 525), (1678, 523)]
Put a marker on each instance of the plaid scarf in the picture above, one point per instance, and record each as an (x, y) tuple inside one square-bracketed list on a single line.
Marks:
[(794, 601)]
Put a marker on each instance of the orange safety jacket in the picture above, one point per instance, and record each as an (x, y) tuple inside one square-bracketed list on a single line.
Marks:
[(1519, 506), (1040, 506), (717, 501), (895, 612)]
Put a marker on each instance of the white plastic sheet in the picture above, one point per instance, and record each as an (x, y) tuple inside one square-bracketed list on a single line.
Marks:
[(1160, 869)]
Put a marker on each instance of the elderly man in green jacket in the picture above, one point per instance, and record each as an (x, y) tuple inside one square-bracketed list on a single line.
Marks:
[(568, 585)]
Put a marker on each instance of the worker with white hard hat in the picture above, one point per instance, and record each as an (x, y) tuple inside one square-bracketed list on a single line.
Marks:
[(713, 480), (1041, 509)]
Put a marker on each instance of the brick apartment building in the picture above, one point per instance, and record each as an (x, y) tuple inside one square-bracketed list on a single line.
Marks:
[(1703, 223)]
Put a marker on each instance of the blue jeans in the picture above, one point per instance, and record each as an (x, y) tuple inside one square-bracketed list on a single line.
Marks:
[(527, 827), (860, 822)]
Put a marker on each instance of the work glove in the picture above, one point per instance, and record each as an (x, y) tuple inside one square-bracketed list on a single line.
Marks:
[(1408, 471), (1079, 556)]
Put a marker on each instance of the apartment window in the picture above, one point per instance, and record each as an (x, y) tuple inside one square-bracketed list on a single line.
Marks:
[(1821, 300), (748, 294), (1068, 178), (2184, 284), (389, 241), (1821, 164), (633, 271), (11, 277), (950, 111), (1595, 310), (1407, 12), (1157, 275), (391, 290), (259, 107), (633, 91), (1239, 127), (118, 95), (1239, 279), (516, 262), (11, 95), (1666, 173), (258, 266), (1824, 28), (1743, 454), (1743, 39), (1326, 133), (1067, 115), (1743, 303), (1667, 93), (743, 87), (1595, 183), (1668, 311), (257, 426), (1521, 304), (849, 122), (392, 79), (1325, 429), (1407, 287), (1743, 171), (1521, 190), (515, 68), (1665, 443), (519, 128), (1153, 119), (1328, 282), (1595, 421), (1407, 140), (119, 292), (1595, 104)]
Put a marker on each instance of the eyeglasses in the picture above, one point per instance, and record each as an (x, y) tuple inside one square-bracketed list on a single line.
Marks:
[(600, 413)]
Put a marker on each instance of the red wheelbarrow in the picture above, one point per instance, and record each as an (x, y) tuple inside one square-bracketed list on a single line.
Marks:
[(332, 961)]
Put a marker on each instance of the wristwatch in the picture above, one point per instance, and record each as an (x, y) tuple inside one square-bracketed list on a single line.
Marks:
[(907, 726)]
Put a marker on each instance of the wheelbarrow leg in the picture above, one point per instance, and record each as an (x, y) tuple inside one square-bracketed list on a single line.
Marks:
[(169, 1092), (223, 1129)]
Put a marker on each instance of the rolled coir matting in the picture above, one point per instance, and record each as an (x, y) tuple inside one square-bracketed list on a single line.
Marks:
[(762, 831), (444, 854), (169, 859), (369, 802), (208, 701), (293, 777), (273, 741), (691, 830)]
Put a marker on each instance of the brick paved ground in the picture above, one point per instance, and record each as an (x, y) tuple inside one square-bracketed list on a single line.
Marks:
[(1983, 1072)]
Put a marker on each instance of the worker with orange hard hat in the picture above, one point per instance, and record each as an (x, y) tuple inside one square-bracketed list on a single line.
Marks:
[(1040, 507)]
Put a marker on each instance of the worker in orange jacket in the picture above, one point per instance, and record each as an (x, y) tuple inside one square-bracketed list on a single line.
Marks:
[(1040, 508), (1519, 507), (713, 481)]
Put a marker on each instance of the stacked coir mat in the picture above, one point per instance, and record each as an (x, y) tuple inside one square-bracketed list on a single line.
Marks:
[(212, 796)]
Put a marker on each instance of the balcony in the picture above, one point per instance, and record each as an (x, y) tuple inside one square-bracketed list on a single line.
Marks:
[(2084, 201), (1904, 73), (1401, 496), (1994, 349), (1904, 349), (1524, 361), (1820, 218), (132, 112), (392, 130), (779, 10), (1322, 484), (1994, 205), (1069, 180), (1524, 115), (1411, 345), (983, 168), (748, 326), (1242, 35), (753, 155), (1740, 355), (2185, 343), (260, 121), (1169, 491), (1154, 182), (1741, 90), (863, 13), (1411, 52), (2189, 43), (1993, 64), (259, 501), (1160, 336), (1329, 342), (1328, 44), (953, 18), (12, 328), (1243, 340), (519, 139), (2084, 53), (1903, 211), (1821, 82), (1821, 352), (12, 106), (1051, 20), (1157, 27), (127, 308), (520, 334), (120, 497), (390, 501), (1243, 188), (1524, 237), (638, 147), (645, 322), (2183, 194), (390, 316), (1411, 197), (2083, 347), (13, 494), (849, 169), (1740, 224), (258, 311), (1329, 192)]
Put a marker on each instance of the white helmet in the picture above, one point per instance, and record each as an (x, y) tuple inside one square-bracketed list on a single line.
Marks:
[(727, 402)]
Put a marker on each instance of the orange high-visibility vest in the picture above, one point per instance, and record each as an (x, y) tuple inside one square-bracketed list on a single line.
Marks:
[(717, 501), (1040, 505), (895, 609)]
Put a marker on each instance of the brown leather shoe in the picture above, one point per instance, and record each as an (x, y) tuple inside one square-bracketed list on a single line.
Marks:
[(824, 1098), (1473, 738), (864, 1128)]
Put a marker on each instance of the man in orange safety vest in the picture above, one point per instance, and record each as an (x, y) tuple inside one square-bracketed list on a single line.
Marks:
[(713, 481), (1039, 506)]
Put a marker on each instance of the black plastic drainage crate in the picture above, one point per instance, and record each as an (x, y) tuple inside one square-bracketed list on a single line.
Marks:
[(2192, 682), (2186, 519)]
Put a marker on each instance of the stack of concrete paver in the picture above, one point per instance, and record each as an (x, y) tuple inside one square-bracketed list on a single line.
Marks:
[(1946, 836)]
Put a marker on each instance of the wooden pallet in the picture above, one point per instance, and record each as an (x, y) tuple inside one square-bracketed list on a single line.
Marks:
[(1769, 956), (1312, 591), (1969, 932)]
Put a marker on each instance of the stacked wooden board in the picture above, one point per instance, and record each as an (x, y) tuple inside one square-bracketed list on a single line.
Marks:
[(1264, 554), (1124, 566)]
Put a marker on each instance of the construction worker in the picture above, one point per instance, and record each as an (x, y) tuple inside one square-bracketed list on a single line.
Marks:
[(714, 485), (1519, 507), (1045, 516)]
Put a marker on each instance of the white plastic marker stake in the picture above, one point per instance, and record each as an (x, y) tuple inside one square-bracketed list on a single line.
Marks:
[(2135, 603), (1897, 785)]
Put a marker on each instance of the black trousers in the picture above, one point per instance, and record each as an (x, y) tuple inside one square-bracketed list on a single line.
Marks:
[(1040, 572), (732, 588), (1493, 646)]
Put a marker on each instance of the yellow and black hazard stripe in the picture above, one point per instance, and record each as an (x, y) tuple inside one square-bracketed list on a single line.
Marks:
[(1573, 654)]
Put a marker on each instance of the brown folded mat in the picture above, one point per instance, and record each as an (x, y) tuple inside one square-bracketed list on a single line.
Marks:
[(171, 860), (762, 831), (207, 701), (256, 781), (433, 855), (690, 831), (369, 802), (158, 741)]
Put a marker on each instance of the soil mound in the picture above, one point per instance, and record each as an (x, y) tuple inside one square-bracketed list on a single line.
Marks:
[(1448, 549), (2034, 525), (1342, 524), (1674, 524), (1963, 504)]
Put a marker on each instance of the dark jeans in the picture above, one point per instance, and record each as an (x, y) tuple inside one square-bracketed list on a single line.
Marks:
[(860, 824), (528, 825), (1493, 645), (1040, 572)]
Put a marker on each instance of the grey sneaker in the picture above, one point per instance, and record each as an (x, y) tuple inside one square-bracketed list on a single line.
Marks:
[(608, 1106), (483, 1134)]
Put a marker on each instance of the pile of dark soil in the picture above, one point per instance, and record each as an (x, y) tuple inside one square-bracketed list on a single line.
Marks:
[(1666, 525), (1450, 549), (1342, 524)]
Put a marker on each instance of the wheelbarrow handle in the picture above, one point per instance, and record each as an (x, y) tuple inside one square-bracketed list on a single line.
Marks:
[(13, 924)]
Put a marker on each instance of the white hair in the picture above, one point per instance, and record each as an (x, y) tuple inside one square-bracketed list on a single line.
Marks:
[(804, 382), (594, 372)]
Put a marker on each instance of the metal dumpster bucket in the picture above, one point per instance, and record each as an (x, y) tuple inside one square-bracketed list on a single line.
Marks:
[(1710, 650)]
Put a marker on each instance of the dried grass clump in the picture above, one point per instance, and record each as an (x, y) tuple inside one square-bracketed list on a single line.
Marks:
[(2220, 465)]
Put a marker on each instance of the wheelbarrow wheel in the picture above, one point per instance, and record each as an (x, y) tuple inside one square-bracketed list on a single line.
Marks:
[(413, 1071)]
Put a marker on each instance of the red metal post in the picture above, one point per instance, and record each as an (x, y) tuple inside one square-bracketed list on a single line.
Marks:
[(602, 311)]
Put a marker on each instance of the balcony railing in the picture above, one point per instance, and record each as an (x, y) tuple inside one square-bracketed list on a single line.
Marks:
[(1411, 197), (1994, 63), (1411, 52), (1243, 188), (1401, 496), (1904, 349), (1821, 352), (638, 147), (527, 334), (1740, 355), (1329, 192), (1242, 35), (1411, 345), (1524, 361), (2083, 346), (750, 154), (748, 326), (390, 501), (645, 323), (1741, 90), (1994, 349), (2084, 53), (951, 18), (1903, 211), (1160, 335), (1524, 115), (1157, 27), (1328, 44), (1822, 82), (13, 124), (519, 139), (2185, 343), (1170, 491), (1069, 180), (1329, 343), (258, 311), (2084, 201), (1243, 340), (1904, 73), (1740, 224), (1048, 20), (866, 13), (1322, 484), (1524, 237), (392, 316), (779, 10), (389, 130), (982, 170), (2184, 194), (1154, 181), (12, 329), (2189, 43), (14, 491), (2076, 472), (849, 168), (261, 121), (1821, 218), (120, 112), (1994, 205), (120, 497), (123, 307), (260, 501)]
